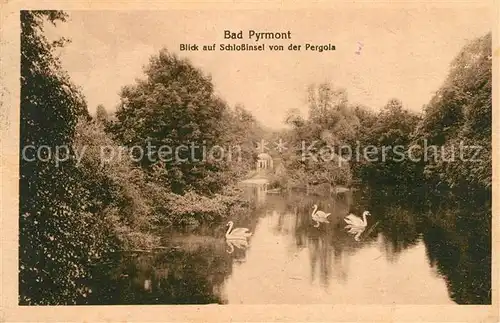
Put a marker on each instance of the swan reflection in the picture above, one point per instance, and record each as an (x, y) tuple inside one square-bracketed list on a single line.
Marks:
[(238, 243), (356, 231), (291, 261)]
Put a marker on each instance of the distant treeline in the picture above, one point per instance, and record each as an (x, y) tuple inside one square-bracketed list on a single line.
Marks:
[(446, 149)]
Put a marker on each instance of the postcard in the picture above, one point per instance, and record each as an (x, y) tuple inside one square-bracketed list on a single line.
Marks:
[(249, 161)]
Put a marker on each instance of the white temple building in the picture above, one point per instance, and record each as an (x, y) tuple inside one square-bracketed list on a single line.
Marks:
[(264, 161)]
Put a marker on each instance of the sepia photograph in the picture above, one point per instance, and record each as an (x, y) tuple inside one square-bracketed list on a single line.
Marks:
[(322, 156)]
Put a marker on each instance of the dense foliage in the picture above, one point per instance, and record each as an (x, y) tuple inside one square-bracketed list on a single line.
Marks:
[(389, 133), (459, 115), (58, 231), (77, 208), (101, 115), (92, 199), (196, 147), (175, 108), (318, 140), (446, 149)]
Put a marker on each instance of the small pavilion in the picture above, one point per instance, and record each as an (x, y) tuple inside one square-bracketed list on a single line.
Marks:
[(264, 161)]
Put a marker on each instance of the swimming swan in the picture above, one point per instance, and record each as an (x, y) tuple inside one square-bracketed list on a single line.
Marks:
[(355, 221), (237, 233), (319, 216)]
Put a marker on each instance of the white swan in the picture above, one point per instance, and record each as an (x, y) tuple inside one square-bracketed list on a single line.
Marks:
[(237, 233), (355, 221), (319, 216)]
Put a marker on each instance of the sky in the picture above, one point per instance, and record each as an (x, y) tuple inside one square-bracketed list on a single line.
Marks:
[(405, 53)]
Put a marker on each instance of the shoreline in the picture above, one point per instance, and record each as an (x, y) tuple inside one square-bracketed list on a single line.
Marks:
[(255, 181)]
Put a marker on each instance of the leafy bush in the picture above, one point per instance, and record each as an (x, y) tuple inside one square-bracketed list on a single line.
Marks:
[(332, 122), (193, 209), (175, 106), (60, 236), (460, 113)]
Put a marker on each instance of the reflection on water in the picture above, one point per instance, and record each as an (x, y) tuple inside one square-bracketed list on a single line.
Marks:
[(238, 243), (401, 257)]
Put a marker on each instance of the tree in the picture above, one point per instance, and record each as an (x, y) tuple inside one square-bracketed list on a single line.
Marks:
[(175, 106), (101, 114), (459, 114), (389, 133), (293, 118), (59, 237), (242, 133), (320, 138)]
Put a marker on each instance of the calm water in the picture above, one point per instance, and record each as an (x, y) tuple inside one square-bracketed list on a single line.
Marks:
[(401, 258)]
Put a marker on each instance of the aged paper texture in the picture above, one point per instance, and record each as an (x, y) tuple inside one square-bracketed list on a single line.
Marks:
[(249, 161)]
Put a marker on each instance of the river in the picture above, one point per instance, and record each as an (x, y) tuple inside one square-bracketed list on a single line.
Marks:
[(401, 258)]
